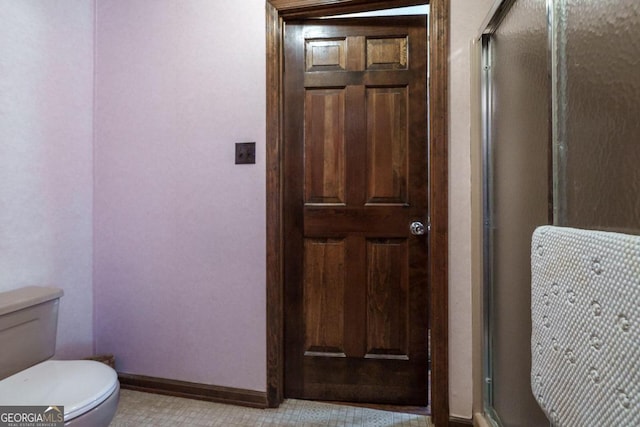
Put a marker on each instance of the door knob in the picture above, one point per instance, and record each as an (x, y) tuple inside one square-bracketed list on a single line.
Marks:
[(417, 228)]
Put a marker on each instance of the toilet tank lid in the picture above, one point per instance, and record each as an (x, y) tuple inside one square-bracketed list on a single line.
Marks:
[(18, 299)]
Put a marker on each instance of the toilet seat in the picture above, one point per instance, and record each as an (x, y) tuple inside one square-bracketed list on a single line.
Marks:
[(78, 385)]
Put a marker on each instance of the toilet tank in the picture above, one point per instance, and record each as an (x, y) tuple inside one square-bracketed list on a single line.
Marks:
[(28, 327)]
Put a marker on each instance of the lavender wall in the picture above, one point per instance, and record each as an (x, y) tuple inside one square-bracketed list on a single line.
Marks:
[(179, 228), (46, 102)]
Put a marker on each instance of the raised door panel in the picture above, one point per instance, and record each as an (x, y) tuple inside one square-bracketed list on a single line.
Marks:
[(324, 286), (324, 146), (387, 145), (325, 54), (388, 53), (387, 299)]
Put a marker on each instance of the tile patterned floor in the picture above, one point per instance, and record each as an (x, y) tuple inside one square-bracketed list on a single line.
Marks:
[(138, 409)]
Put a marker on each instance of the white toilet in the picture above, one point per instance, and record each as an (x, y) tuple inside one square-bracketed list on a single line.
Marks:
[(88, 390)]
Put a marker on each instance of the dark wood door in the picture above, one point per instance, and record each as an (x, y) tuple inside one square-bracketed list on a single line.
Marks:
[(355, 164)]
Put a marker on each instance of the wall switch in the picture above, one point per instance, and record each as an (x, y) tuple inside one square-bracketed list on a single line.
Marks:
[(245, 153)]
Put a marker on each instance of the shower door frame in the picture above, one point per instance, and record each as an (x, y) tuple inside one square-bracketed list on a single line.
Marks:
[(490, 25)]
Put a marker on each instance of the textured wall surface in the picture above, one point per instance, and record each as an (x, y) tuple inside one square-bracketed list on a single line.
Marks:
[(179, 228), (46, 102)]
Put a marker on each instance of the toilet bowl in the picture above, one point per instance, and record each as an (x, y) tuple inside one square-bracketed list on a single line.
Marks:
[(88, 390)]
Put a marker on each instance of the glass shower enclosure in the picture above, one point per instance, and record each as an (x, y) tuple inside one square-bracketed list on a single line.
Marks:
[(561, 145)]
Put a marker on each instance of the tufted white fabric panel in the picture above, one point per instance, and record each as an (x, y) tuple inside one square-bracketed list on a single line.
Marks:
[(585, 341)]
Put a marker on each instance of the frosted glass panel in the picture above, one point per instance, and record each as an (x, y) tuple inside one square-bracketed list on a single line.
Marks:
[(520, 193), (563, 138), (601, 103)]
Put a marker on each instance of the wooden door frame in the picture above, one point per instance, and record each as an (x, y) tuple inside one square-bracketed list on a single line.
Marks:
[(277, 12)]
